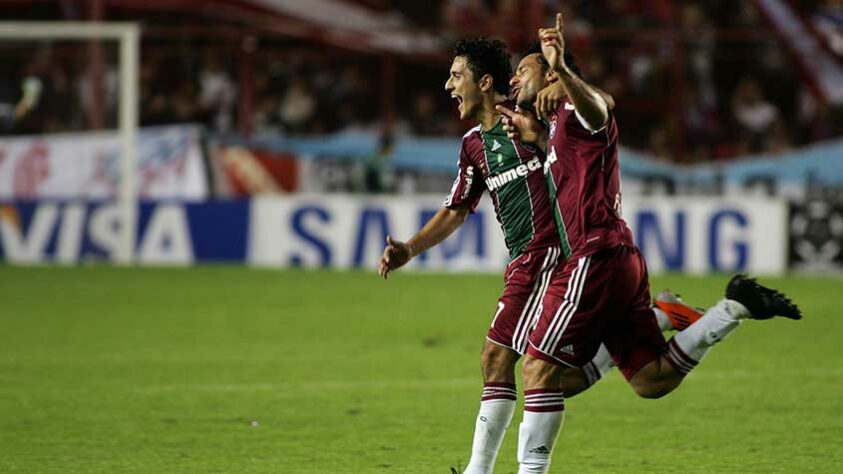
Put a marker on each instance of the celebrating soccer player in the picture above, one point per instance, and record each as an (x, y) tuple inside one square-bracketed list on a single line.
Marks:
[(513, 176), (602, 294)]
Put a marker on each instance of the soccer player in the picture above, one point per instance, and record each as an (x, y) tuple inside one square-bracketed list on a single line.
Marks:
[(601, 294), (512, 174)]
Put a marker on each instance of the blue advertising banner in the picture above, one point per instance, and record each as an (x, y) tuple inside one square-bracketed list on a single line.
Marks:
[(346, 232), (167, 233)]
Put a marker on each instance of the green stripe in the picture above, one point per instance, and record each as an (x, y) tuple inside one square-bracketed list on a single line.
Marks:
[(557, 215), (515, 206), (516, 215)]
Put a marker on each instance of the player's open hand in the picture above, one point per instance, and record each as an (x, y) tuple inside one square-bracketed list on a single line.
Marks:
[(549, 98), (395, 255), (521, 125), (553, 44)]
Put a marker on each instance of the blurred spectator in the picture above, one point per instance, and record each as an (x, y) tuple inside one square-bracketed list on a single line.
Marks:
[(778, 140), (379, 176), (827, 16), (217, 94), (467, 17), (753, 113), (424, 116), (700, 118), (110, 92), (659, 143), (677, 70), (297, 105), (185, 104)]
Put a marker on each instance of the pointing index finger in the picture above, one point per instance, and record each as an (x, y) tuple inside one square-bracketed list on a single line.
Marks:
[(559, 22), (505, 111)]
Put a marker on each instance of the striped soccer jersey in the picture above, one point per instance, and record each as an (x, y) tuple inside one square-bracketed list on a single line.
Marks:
[(513, 176), (584, 183)]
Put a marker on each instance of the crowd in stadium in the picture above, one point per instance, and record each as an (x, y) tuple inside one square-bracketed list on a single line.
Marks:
[(717, 87)]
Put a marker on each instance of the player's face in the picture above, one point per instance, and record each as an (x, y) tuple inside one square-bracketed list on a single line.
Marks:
[(463, 87), (530, 77)]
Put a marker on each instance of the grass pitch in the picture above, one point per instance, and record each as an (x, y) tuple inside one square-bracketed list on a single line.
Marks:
[(232, 370)]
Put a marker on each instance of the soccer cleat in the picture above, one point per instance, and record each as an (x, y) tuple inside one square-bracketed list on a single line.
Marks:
[(762, 302), (680, 314)]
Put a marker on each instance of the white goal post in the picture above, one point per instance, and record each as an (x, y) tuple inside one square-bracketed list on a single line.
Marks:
[(128, 35)]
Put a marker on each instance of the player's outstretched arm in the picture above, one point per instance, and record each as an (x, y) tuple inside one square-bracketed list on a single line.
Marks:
[(524, 126), (438, 228), (589, 103)]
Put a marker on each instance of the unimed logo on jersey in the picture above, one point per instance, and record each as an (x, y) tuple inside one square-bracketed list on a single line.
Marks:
[(520, 171)]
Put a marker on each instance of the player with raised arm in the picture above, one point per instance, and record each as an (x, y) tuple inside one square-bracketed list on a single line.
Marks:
[(511, 173), (601, 295)]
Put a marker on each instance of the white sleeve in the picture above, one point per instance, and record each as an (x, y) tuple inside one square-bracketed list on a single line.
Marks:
[(587, 126)]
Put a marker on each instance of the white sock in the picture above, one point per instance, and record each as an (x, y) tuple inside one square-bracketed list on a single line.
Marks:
[(687, 348), (496, 411), (598, 367), (543, 415), (663, 320)]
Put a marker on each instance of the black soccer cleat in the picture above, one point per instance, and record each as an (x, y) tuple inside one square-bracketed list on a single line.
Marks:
[(762, 302)]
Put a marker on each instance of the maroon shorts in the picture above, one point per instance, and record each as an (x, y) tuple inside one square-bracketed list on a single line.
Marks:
[(526, 280), (602, 298)]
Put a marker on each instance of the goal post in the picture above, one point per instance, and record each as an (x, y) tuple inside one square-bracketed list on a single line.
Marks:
[(128, 36)]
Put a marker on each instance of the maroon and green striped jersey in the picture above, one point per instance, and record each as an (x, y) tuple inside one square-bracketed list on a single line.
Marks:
[(512, 173), (584, 183)]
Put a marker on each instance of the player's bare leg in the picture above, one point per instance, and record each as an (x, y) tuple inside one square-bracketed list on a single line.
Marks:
[(745, 299)]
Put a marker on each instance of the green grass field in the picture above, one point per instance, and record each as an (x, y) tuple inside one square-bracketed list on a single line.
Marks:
[(231, 370)]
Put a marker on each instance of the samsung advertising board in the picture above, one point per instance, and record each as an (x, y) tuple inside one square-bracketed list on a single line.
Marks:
[(348, 232), (682, 235)]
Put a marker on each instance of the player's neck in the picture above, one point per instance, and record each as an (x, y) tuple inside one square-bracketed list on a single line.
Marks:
[(488, 116)]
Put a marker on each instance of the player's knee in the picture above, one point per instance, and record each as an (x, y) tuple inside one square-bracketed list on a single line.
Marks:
[(654, 381), (573, 382), (540, 374), (651, 390), (498, 362)]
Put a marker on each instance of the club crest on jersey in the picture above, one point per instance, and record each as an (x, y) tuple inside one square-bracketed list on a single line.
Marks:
[(552, 128)]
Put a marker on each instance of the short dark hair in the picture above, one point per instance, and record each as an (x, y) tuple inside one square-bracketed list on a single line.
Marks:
[(487, 56), (534, 47)]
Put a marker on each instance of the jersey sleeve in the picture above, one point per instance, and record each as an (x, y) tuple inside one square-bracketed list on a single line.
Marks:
[(468, 186), (579, 129), (580, 121), (588, 127)]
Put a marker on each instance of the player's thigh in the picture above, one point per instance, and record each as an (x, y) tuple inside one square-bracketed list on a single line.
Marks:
[(517, 311), (575, 311), (632, 335)]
